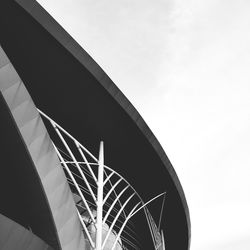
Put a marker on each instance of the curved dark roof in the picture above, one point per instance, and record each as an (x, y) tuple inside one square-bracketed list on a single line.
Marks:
[(67, 84)]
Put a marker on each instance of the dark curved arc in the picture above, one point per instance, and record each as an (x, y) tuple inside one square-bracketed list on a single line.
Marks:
[(76, 50), (46, 26)]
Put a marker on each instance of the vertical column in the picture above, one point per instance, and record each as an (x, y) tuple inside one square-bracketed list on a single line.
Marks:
[(100, 198), (163, 240)]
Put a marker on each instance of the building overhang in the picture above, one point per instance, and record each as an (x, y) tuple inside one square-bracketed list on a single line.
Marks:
[(67, 84)]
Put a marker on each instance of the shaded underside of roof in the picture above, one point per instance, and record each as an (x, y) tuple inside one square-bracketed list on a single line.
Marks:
[(66, 83)]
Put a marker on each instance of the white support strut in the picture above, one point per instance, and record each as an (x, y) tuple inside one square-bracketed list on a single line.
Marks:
[(99, 202), (115, 220), (75, 183), (163, 240), (123, 225), (101, 195), (75, 161)]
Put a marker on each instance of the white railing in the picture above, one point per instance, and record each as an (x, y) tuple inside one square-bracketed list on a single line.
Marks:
[(105, 201)]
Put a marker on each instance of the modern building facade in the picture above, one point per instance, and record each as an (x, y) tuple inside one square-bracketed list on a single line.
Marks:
[(80, 167)]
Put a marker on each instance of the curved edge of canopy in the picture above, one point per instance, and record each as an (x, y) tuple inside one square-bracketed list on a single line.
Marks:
[(60, 211), (44, 19)]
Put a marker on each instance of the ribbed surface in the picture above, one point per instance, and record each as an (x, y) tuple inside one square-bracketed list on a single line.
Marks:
[(42, 153)]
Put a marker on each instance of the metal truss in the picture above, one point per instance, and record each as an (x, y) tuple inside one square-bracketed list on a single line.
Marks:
[(105, 201)]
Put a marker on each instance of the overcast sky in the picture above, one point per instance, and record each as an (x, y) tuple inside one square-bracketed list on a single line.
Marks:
[(185, 65)]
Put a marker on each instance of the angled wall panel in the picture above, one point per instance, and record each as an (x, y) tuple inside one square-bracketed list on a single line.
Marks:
[(50, 212), (15, 237)]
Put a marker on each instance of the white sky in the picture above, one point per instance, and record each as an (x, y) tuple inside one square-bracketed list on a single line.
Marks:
[(185, 65)]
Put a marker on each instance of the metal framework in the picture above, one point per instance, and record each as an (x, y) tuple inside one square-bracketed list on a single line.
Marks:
[(105, 201)]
